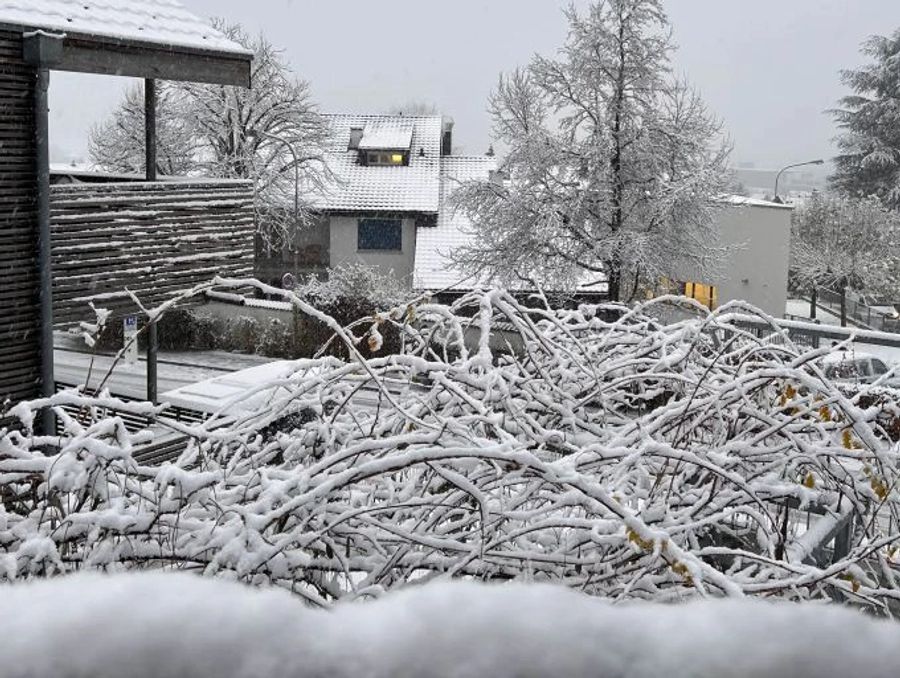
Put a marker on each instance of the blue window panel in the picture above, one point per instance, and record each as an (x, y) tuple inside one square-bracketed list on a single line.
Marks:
[(380, 234)]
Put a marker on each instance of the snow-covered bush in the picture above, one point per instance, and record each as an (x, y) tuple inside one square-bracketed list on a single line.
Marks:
[(351, 293), (601, 449), (356, 280)]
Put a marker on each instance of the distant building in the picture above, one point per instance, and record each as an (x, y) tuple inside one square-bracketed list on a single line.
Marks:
[(385, 202), (755, 270), (388, 205)]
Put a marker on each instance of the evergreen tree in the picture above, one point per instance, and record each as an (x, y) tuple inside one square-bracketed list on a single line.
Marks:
[(869, 120)]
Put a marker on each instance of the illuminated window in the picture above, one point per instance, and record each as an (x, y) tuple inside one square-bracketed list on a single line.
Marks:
[(380, 234), (708, 295), (386, 158)]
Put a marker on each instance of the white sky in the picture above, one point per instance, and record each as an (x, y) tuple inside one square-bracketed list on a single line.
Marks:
[(768, 68)]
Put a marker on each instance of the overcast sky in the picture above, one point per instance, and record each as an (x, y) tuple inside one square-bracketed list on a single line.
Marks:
[(768, 68)]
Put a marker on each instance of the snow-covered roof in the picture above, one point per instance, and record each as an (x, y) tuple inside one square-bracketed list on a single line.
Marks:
[(433, 268), (155, 22), (90, 172), (387, 135), (740, 200), (355, 188)]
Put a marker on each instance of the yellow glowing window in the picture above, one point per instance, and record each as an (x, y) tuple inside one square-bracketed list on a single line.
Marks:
[(708, 295), (390, 158)]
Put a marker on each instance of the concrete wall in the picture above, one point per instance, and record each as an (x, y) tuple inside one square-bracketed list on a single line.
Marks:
[(757, 270), (343, 248)]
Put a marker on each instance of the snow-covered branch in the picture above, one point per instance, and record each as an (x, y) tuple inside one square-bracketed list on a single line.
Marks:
[(598, 447)]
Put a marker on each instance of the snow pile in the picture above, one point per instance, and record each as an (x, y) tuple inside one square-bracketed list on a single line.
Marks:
[(178, 625), (598, 447)]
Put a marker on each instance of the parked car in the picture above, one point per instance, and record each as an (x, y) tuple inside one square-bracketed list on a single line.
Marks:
[(859, 368)]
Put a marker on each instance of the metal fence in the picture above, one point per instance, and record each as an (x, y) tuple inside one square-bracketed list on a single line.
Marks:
[(859, 312)]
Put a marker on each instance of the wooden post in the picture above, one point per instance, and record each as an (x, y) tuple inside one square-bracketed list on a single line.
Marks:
[(45, 262), (150, 162), (42, 51), (843, 304)]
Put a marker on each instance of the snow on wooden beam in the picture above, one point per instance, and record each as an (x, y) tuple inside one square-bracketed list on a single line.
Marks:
[(138, 61)]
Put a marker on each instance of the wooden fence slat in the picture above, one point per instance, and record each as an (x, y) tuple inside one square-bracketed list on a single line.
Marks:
[(154, 239)]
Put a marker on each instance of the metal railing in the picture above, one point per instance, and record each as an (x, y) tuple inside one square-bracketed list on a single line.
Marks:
[(859, 312)]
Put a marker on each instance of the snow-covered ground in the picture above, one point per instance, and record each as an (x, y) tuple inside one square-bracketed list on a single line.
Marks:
[(179, 625), (799, 308), (73, 363)]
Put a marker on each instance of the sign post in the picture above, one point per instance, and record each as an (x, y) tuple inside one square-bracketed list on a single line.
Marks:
[(130, 325)]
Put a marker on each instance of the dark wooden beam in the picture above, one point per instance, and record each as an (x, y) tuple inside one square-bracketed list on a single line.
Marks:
[(150, 165), (158, 63)]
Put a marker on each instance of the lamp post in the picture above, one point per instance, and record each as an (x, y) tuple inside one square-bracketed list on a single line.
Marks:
[(785, 169)]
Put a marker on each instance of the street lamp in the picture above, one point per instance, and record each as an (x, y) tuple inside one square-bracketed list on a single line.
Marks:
[(785, 169), (255, 134)]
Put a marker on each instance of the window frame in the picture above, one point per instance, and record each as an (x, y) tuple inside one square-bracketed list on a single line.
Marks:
[(385, 158), (392, 222), (878, 367)]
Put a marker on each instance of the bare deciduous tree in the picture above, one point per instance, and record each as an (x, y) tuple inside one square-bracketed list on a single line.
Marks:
[(117, 144), (613, 165), (843, 244), (233, 132)]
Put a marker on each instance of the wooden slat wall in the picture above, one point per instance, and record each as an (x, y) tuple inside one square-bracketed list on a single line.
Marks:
[(19, 310), (155, 239)]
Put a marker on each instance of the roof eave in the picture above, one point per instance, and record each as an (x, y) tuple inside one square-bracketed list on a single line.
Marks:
[(143, 59)]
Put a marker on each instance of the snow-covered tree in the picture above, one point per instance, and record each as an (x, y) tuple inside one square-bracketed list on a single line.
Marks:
[(843, 243), (118, 143), (869, 119), (234, 132), (414, 107), (613, 164)]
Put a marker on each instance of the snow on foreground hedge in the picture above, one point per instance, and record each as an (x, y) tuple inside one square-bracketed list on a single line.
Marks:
[(599, 447), (182, 626)]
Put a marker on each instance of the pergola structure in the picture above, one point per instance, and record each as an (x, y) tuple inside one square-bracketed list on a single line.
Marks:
[(149, 39)]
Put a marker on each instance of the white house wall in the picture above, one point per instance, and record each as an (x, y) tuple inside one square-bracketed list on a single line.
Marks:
[(756, 271), (343, 248)]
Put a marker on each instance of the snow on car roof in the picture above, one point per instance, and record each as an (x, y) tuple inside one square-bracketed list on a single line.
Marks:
[(157, 22), (741, 200), (847, 355)]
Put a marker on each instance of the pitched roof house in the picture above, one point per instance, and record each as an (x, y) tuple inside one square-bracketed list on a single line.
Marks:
[(389, 204), (434, 267), (386, 202)]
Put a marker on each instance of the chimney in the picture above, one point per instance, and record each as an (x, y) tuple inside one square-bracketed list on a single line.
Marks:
[(447, 137), (356, 135)]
